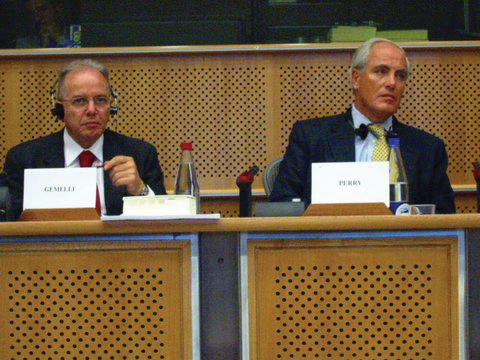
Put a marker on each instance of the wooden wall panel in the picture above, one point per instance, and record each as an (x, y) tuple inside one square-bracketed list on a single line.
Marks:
[(466, 202), (311, 87), (238, 108)]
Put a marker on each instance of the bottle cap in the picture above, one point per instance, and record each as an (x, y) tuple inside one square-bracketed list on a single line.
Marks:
[(186, 146)]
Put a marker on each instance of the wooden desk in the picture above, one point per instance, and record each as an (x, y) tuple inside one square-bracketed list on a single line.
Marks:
[(240, 248), (272, 224)]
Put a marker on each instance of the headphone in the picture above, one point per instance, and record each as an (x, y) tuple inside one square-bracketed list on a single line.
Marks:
[(58, 111)]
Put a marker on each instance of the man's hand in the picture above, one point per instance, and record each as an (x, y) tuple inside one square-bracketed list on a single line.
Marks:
[(123, 171)]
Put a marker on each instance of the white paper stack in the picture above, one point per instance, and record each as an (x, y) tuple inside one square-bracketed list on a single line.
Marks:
[(159, 205)]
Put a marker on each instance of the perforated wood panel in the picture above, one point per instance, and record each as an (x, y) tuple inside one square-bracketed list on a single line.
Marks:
[(220, 108), (353, 300), (238, 109), (309, 91), (84, 301), (229, 206), (466, 203), (35, 118)]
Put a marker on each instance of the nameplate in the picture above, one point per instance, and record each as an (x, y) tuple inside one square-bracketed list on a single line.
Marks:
[(60, 188), (350, 182)]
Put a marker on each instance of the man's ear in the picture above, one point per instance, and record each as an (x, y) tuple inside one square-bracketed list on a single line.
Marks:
[(355, 79)]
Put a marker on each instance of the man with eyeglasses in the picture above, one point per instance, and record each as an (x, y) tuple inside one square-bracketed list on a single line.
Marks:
[(84, 104)]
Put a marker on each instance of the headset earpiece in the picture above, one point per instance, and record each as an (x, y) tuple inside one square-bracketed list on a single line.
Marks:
[(58, 111), (114, 107)]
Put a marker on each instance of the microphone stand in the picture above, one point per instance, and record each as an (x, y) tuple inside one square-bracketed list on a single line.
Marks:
[(244, 183)]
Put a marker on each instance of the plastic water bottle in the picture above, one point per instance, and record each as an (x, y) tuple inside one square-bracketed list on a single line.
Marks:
[(186, 182), (398, 178)]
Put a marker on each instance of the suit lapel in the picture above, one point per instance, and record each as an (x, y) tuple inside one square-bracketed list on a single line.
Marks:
[(113, 195), (109, 146), (341, 140), (55, 154)]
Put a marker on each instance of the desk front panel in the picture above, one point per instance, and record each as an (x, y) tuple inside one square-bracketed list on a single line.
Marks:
[(95, 299), (347, 297)]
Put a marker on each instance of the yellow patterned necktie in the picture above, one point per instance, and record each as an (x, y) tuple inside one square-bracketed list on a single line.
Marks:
[(380, 148)]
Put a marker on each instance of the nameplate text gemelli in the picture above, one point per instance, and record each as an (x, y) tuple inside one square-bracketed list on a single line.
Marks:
[(60, 188)]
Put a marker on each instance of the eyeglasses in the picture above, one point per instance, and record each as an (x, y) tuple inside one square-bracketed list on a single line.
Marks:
[(82, 101)]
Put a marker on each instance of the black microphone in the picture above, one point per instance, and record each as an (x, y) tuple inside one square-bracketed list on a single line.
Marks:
[(247, 176), (244, 183), (362, 131)]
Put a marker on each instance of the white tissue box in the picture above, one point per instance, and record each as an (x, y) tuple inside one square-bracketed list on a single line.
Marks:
[(159, 205)]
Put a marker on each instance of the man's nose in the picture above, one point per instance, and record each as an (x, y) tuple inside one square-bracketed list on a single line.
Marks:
[(91, 106), (391, 80)]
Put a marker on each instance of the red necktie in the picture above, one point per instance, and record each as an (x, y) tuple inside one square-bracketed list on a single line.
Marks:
[(86, 159)]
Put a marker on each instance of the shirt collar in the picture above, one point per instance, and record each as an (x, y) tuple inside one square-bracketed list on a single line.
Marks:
[(359, 119), (72, 149)]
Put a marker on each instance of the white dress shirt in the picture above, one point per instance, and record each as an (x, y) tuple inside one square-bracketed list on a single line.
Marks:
[(72, 150)]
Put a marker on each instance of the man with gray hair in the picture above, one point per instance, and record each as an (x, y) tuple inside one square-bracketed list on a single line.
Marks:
[(378, 76), (84, 102)]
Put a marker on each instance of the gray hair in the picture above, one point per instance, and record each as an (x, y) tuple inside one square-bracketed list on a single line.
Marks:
[(360, 57), (77, 65)]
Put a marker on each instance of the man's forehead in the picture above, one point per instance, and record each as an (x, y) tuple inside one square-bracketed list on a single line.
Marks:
[(386, 54), (85, 74), (84, 70), (84, 78)]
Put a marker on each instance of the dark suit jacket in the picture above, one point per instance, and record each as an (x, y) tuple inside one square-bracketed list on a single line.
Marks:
[(332, 139), (48, 152)]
